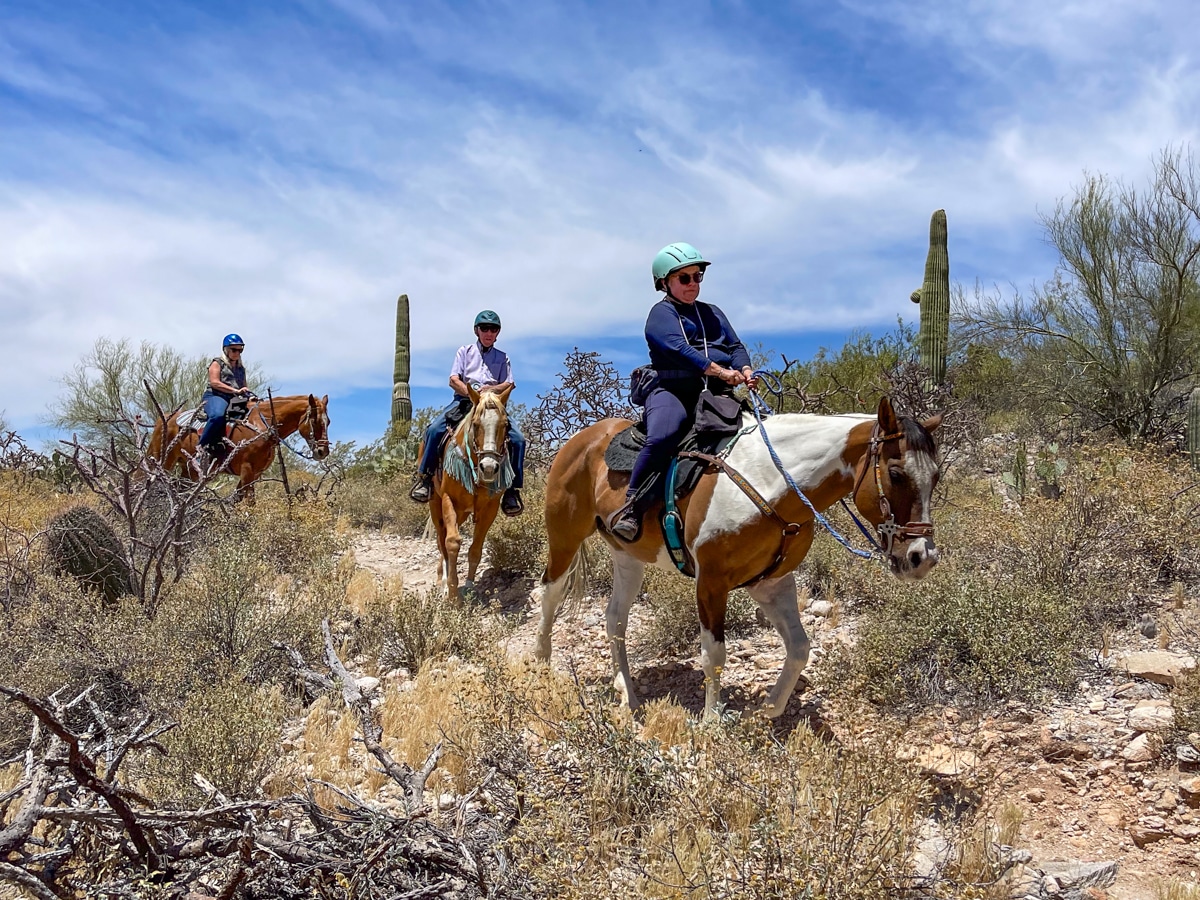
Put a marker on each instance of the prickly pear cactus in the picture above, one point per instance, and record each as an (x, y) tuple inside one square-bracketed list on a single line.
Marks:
[(934, 298), (401, 401), (1193, 428), (85, 546)]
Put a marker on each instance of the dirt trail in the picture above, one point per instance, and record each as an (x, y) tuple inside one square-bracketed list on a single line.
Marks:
[(1064, 768)]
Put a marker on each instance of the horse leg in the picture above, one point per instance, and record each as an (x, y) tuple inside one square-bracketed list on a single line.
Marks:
[(484, 517), (627, 579), (710, 603), (439, 528), (453, 545), (777, 598), (567, 527)]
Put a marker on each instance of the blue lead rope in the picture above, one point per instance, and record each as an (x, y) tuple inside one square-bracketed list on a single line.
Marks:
[(758, 401)]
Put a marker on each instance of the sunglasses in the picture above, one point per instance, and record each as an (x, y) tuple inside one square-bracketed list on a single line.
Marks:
[(488, 327), (685, 278), (234, 349)]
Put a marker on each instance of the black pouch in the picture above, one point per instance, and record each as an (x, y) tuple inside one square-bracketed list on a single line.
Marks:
[(642, 381), (718, 413), (457, 412)]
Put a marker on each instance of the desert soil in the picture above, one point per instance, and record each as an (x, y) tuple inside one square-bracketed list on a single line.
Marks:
[(1072, 768)]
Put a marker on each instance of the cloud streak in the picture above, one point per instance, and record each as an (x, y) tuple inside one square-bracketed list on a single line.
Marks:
[(287, 170)]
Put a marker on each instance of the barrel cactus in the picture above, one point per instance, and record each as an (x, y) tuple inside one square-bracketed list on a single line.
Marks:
[(934, 297), (1193, 428), (401, 400), (83, 545)]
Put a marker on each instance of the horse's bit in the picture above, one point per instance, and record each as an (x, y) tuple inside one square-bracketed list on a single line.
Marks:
[(889, 531)]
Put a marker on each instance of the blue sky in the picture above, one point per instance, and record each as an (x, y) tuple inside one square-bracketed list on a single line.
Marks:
[(173, 172)]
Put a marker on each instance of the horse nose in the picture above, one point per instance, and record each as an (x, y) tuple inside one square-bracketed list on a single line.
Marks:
[(922, 556)]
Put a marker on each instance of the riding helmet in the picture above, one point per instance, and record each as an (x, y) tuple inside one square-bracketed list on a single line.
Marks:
[(487, 317), (232, 340), (673, 257)]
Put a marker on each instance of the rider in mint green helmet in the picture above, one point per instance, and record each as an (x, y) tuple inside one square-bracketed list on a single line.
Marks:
[(672, 257)]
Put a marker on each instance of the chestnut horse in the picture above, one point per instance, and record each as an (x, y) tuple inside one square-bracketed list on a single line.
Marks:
[(474, 475), (255, 438), (887, 464)]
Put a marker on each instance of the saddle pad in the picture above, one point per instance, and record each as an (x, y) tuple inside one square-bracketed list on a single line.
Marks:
[(624, 448), (190, 418)]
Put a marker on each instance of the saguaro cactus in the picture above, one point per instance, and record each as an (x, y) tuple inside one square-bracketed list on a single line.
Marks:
[(401, 400), (934, 297), (85, 546), (1193, 428)]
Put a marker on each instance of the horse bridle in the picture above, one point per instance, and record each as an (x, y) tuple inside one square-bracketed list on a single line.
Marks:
[(889, 531), (498, 455)]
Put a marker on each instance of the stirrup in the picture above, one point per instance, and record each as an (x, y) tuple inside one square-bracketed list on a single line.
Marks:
[(421, 490), (511, 503), (625, 523)]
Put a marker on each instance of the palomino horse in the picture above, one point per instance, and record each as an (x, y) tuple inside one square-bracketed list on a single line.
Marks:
[(475, 472), (888, 464), (254, 438)]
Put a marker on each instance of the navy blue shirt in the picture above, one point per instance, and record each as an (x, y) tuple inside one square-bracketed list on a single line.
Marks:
[(677, 332)]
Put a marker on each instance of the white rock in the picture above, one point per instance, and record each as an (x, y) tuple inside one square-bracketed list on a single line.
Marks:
[(1152, 715)]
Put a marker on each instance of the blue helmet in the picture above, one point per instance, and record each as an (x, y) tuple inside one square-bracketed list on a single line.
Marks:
[(232, 340)]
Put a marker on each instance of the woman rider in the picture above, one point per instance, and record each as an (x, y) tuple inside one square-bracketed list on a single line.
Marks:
[(688, 340), (226, 380)]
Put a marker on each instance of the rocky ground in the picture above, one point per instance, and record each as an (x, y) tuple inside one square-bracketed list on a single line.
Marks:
[(1109, 810)]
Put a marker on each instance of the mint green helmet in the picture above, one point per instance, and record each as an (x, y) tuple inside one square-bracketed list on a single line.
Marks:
[(675, 256), (487, 317)]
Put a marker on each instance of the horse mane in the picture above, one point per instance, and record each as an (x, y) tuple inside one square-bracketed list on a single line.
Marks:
[(485, 400), (917, 436)]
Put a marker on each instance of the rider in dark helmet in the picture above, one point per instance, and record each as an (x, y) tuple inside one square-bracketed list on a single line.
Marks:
[(486, 367), (226, 380), (688, 341)]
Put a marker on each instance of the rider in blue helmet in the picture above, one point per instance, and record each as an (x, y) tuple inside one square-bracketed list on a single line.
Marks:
[(488, 368), (692, 347), (226, 380)]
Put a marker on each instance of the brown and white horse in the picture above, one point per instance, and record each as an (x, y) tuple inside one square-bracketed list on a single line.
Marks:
[(254, 438), (889, 466), (471, 482)]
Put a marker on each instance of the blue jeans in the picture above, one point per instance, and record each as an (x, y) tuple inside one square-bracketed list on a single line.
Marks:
[(214, 429), (439, 426)]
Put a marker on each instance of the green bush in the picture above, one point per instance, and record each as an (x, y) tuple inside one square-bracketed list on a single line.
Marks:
[(960, 637), (229, 733), (518, 544)]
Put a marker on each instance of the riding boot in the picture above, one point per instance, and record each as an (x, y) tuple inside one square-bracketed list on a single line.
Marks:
[(510, 503), (422, 488), (626, 523)]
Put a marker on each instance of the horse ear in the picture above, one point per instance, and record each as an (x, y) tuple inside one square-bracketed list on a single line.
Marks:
[(312, 400), (325, 400), (887, 416), (931, 424), (503, 394), (473, 394)]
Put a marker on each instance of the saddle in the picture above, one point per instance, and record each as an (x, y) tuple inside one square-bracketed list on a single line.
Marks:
[(195, 419), (623, 450)]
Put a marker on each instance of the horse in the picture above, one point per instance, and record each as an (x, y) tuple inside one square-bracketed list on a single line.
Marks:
[(475, 472), (267, 422), (887, 464)]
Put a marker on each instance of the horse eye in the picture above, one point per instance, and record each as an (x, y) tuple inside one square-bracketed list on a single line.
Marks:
[(896, 474)]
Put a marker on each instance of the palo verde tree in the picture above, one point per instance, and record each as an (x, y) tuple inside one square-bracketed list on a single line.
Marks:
[(1113, 339)]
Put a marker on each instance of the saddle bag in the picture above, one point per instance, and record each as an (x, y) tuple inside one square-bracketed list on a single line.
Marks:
[(718, 413), (642, 381)]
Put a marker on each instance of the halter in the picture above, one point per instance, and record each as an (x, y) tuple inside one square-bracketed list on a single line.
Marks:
[(888, 530)]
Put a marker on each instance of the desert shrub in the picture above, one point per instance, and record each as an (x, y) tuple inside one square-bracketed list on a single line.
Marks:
[(404, 629), (518, 544), (674, 623), (267, 576), (229, 733), (962, 637), (1186, 700)]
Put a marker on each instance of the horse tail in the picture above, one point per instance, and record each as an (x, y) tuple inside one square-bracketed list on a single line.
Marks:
[(579, 574)]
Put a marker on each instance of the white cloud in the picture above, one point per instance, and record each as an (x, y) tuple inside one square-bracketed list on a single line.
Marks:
[(273, 181)]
